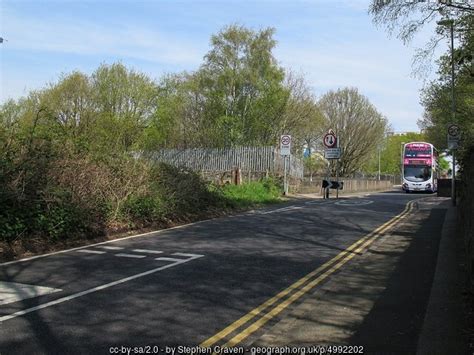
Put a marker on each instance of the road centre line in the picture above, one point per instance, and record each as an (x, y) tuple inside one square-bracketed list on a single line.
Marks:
[(167, 259), (88, 251), (185, 254), (110, 247), (147, 251), (94, 289), (284, 209), (125, 255), (353, 250)]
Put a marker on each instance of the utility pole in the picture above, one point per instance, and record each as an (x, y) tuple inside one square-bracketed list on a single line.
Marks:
[(450, 23)]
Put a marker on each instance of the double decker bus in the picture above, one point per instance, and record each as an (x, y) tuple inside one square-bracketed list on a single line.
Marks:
[(420, 167)]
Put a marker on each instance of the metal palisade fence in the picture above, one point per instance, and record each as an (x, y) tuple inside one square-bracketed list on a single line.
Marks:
[(253, 159)]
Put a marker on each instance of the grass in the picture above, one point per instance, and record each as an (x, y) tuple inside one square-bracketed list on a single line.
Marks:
[(253, 193)]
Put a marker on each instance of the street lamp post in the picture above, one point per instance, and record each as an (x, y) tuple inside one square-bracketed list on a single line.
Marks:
[(450, 23)]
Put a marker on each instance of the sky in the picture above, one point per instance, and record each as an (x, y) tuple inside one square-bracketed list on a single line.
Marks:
[(332, 43)]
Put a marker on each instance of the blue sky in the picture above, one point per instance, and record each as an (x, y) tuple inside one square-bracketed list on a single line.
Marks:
[(333, 43)]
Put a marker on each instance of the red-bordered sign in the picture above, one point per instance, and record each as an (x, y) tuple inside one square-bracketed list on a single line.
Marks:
[(330, 140)]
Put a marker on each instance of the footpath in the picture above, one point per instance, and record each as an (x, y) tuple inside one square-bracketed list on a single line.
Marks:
[(444, 326)]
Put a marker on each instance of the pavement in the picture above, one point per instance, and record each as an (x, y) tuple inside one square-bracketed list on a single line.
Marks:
[(444, 319)]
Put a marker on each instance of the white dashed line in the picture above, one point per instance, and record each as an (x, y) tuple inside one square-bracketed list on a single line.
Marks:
[(284, 209), (88, 251), (169, 259), (147, 251), (110, 248), (188, 255), (124, 255)]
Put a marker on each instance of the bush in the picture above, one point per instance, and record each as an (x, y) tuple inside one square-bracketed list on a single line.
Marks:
[(184, 192)]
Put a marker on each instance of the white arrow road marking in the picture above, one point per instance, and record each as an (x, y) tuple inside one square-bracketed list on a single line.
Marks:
[(96, 289), (13, 292)]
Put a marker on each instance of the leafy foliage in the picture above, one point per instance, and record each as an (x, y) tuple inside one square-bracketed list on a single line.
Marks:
[(359, 126)]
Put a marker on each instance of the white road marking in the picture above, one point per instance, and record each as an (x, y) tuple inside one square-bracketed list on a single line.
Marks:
[(13, 292), (125, 255), (147, 251), (91, 251), (107, 242), (111, 248), (189, 255), (92, 290), (354, 202), (168, 259), (318, 202), (284, 209)]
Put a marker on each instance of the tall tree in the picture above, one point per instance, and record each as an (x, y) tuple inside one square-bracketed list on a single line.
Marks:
[(243, 87), (359, 127)]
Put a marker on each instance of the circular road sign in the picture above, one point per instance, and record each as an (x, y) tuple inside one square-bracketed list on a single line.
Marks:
[(454, 130), (329, 140), (285, 140)]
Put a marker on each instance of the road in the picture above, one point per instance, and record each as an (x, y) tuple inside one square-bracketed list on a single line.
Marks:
[(359, 269)]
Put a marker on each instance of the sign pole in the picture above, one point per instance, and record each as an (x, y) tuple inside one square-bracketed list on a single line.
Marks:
[(453, 179), (285, 151), (454, 133)]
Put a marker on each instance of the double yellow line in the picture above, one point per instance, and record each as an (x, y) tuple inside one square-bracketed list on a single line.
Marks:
[(329, 268)]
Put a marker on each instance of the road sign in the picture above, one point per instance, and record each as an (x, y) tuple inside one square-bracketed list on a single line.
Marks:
[(333, 184), (453, 142), (454, 130), (330, 140), (454, 133), (285, 144), (332, 153)]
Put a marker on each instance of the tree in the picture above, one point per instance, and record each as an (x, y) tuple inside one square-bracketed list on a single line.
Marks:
[(390, 153), (243, 87), (313, 164), (437, 96), (357, 124), (126, 101), (302, 117), (406, 18)]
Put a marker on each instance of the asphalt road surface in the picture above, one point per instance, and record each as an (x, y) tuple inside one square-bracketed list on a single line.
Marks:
[(225, 282)]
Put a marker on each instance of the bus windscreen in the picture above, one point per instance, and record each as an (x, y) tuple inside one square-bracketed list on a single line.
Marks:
[(417, 173)]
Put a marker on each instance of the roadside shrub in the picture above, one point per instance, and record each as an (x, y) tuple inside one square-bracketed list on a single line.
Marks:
[(184, 192)]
